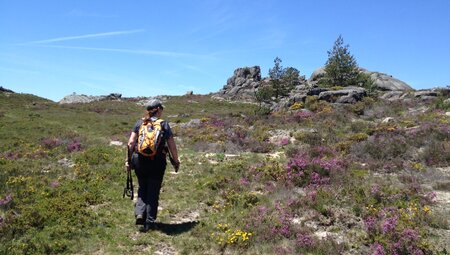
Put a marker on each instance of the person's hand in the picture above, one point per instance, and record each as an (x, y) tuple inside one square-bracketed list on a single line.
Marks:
[(176, 165), (127, 166)]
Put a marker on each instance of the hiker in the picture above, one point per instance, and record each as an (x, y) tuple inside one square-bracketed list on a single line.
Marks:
[(150, 168)]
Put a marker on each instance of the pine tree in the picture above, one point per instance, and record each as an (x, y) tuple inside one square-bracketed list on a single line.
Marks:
[(341, 67), (276, 74), (291, 78)]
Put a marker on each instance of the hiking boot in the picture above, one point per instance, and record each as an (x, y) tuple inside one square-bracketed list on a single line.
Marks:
[(140, 219), (150, 226)]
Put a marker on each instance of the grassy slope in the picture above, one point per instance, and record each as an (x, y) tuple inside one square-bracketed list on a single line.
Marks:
[(216, 203)]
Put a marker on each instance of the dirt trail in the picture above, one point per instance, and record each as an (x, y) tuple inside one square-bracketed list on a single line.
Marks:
[(170, 225)]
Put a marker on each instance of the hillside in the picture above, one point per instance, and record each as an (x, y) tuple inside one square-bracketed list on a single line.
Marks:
[(372, 177)]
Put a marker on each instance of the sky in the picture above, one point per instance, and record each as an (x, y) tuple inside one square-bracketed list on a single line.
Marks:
[(53, 48)]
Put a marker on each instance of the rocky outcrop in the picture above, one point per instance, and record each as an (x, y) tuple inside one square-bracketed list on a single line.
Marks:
[(348, 95), (317, 75), (81, 99), (242, 85), (386, 82), (394, 95), (246, 81), (424, 94), (381, 81)]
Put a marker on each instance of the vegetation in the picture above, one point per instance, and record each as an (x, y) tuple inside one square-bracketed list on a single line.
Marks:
[(275, 74), (341, 67), (282, 81), (331, 179)]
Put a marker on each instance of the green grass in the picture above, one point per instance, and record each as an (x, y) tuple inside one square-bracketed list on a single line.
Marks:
[(65, 182)]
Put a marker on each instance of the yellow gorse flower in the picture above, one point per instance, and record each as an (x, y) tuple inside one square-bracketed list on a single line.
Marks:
[(426, 209), (229, 236)]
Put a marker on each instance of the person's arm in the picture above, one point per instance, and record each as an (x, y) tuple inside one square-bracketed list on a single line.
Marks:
[(132, 140), (173, 152), (130, 147)]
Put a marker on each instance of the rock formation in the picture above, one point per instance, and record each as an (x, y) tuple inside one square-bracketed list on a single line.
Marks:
[(242, 85), (381, 81), (387, 82), (74, 98), (347, 95), (246, 81)]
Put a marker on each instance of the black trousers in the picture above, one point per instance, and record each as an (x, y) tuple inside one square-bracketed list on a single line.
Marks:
[(150, 174)]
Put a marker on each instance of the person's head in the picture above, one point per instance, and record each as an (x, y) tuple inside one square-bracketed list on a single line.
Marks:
[(154, 108)]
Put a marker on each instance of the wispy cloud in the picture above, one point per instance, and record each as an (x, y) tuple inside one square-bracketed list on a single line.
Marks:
[(77, 37), (130, 51)]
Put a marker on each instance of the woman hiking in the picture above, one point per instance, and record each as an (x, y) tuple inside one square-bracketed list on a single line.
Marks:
[(149, 162)]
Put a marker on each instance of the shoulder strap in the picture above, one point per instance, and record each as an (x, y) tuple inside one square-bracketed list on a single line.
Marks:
[(145, 120), (158, 121)]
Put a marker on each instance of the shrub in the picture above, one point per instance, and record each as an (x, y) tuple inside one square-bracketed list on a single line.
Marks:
[(304, 169), (388, 149), (271, 223), (244, 199), (311, 138), (224, 235), (442, 103), (74, 145), (270, 170), (50, 224), (436, 153), (358, 108), (358, 137), (314, 104), (296, 106), (301, 116), (97, 155), (51, 143)]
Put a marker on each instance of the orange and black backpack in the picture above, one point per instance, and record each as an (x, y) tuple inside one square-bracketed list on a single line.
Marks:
[(150, 137)]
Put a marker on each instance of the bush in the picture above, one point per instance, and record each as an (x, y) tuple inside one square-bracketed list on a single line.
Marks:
[(53, 221), (382, 149), (296, 106), (436, 153), (442, 103), (312, 103)]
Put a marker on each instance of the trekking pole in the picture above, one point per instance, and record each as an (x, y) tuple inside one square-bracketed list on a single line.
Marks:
[(129, 190)]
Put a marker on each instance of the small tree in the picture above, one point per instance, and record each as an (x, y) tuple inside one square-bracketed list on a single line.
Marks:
[(290, 78), (264, 95), (341, 67), (364, 80), (276, 74)]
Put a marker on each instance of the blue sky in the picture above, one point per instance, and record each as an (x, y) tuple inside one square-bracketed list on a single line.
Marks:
[(52, 48)]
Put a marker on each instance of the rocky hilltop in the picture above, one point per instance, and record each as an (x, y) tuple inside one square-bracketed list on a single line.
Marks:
[(75, 98), (246, 81)]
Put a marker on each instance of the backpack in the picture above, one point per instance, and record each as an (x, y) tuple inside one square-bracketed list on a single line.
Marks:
[(150, 137)]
